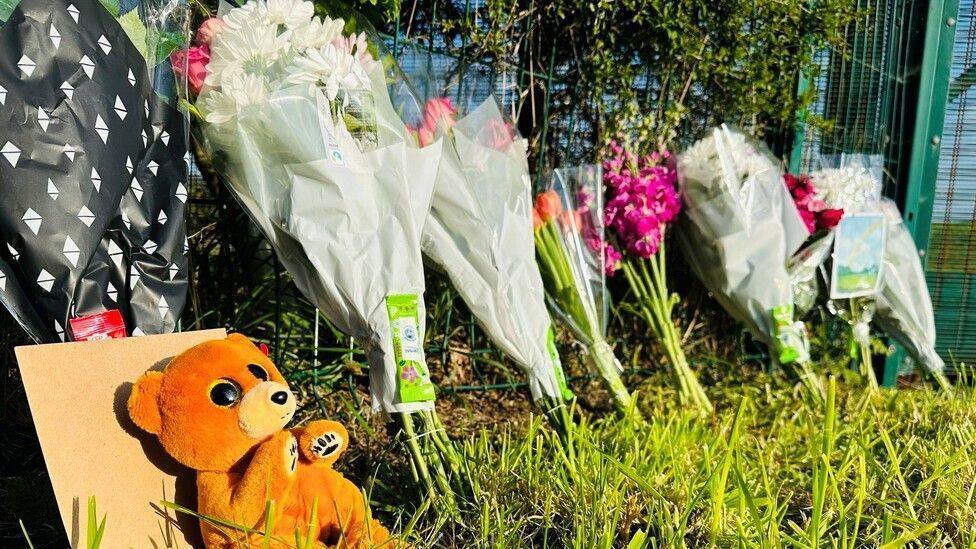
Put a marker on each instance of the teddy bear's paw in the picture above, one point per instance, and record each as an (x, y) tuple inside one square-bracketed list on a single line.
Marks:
[(326, 444)]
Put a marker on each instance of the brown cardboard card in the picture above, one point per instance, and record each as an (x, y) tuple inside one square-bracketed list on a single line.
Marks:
[(77, 394)]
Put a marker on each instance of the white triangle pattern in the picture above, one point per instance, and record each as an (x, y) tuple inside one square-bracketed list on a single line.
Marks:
[(104, 44), (73, 11), (59, 330), (68, 90), (52, 190), (111, 292), (150, 247), (96, 180), (87, 65), (33, 220), (11, 153), (71, 251), (3, 281), (163, 307), (101, 129), (86, 216), (45, 280), (120, 108), (42, 118), (27, 65), (13, 252), (3, 95), (181, 193), (115, 253), (55, 36)]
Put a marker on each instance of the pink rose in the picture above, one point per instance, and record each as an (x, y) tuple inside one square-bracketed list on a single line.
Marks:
[(209, 30), (192, 65)]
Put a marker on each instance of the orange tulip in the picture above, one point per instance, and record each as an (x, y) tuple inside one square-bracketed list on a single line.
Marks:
[(548, 205), (536, 220)]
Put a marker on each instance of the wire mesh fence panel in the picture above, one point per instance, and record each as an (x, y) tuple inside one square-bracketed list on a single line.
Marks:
[(951, 257)]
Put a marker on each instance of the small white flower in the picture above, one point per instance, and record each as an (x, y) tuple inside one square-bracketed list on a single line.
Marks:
[(237, 93), (258, 51), (330, 68), (251, 15), (316, 33), (293, 14), (849, 188)]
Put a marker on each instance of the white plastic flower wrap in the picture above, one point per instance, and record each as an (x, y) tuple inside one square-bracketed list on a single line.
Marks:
[(304, 132), (740, 227), (479, 231)]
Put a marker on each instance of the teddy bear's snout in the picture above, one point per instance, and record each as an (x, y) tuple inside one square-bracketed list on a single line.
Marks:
[(265, 409)]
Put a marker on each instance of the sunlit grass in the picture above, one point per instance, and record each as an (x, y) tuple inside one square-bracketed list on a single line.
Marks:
[(884, 469)]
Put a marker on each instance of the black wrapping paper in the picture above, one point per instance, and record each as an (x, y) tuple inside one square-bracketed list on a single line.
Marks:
[(93, 169)]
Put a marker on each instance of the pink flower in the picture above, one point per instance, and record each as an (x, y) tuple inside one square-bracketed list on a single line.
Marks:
[(192, 65), (643, 199), (439, 112), (357, 46), (812, 210), (209, 30), (612, 259)]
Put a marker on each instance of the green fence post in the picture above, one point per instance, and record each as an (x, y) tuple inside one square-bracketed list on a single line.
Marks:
[(933, 90)]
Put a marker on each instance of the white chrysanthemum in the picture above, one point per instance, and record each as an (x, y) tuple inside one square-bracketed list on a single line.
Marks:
[(316, 34), (712, 160), (850, 188), (251, 15), (258, 51), (329, 67), (237, 93), (293, 14), (357, 46)]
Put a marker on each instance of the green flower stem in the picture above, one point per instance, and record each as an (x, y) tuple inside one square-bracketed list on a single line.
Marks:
[(606, 364), (656, 305), (427, 461), (558, 272)]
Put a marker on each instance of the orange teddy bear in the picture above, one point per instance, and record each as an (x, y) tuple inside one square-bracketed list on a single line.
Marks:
[(220, 408)]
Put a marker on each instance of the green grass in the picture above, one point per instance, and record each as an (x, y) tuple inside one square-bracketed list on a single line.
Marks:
[(772, 469)]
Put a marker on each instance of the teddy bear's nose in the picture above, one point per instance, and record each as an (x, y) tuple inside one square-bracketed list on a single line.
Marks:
[(280, 397)]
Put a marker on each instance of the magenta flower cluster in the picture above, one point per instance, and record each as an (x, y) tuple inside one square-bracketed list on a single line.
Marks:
[(642, 199)]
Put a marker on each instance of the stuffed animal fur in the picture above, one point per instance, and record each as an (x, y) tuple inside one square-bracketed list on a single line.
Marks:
[(220, 408)]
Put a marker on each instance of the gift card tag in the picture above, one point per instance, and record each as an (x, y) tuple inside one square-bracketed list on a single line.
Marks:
[(859, 246)]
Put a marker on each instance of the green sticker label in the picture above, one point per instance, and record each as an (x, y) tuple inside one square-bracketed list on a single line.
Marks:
[(413, 377), (790, 338), (557, 366)]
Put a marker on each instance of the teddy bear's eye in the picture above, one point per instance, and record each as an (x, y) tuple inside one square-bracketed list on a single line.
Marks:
[(257, 372), (225, 393)]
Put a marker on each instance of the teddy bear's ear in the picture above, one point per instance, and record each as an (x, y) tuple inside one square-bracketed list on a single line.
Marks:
[(144, 402)]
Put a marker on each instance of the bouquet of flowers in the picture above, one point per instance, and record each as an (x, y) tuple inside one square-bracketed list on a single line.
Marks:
[(895, 297), (479, 231), (739, 229), (574, 257), (92, 155), (643, 201), (299, 118)]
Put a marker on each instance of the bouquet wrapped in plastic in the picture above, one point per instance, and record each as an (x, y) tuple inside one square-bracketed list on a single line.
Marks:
[(479, 231), (572, 248), (739, 229), (301, 125), (898, 300)]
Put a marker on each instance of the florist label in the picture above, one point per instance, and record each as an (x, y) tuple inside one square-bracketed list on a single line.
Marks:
[(413, 378)]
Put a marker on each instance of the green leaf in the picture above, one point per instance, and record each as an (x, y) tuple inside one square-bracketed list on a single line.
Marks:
[(112, 6), (135, 30), (6, 8)]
